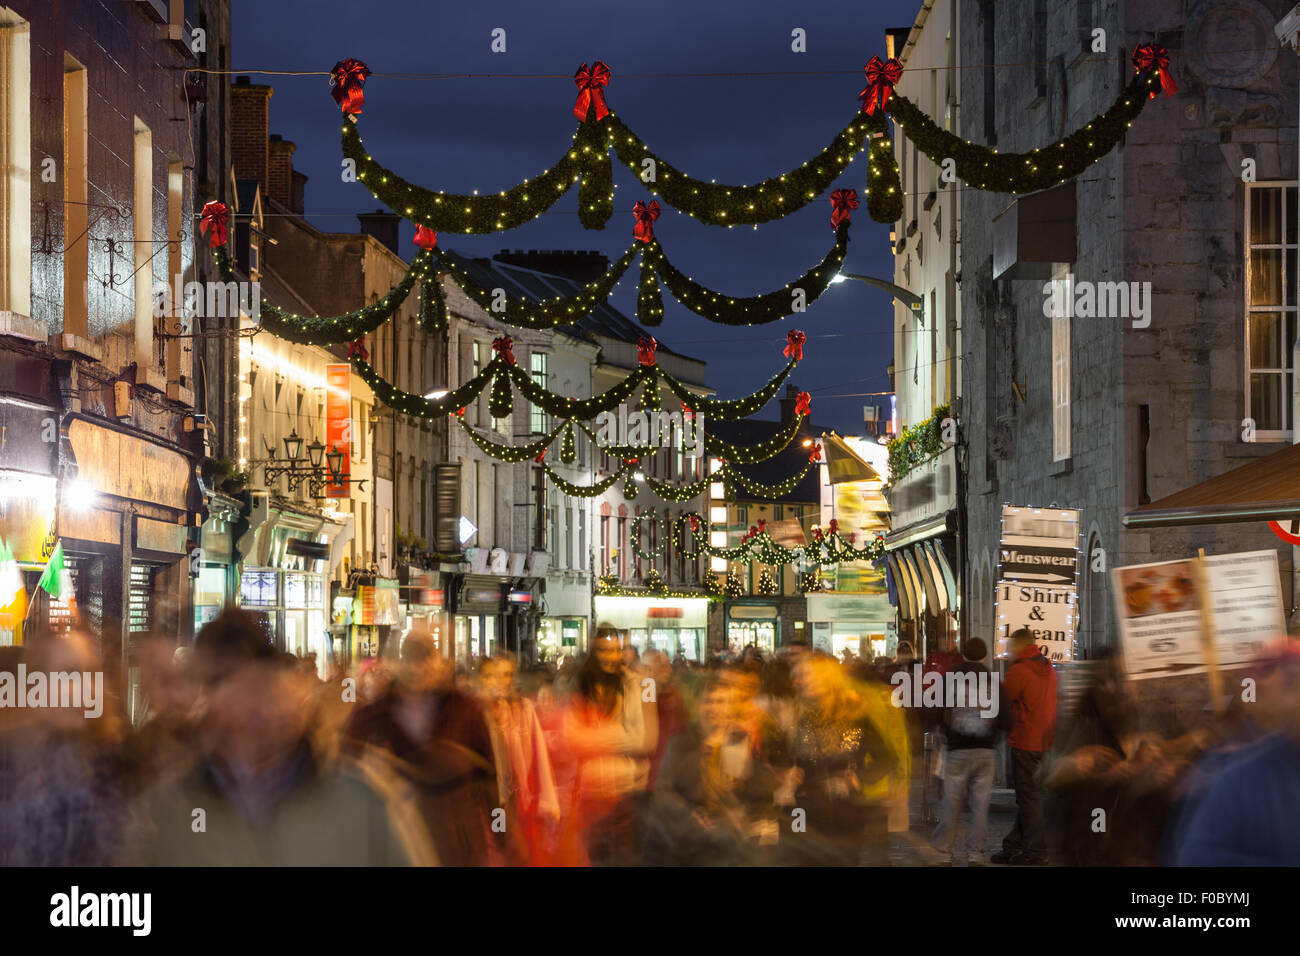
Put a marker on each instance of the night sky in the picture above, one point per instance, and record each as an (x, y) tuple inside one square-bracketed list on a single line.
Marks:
[(491, 132)]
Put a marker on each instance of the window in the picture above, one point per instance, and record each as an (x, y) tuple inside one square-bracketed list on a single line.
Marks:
[(75, 211), (1270, 307), (1061, 366), (539, 509), (142, 218), (582, 537), (537, 416), (568, 557), (175, 264), (478, 367), (15, 164), (604, 544)]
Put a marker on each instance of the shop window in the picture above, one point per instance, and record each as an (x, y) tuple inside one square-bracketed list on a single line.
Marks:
[(142, 219), (15, 164), (75, 211), (1271, 302)]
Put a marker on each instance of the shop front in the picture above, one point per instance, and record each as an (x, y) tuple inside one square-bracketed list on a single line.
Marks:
[(676, 626), (562, 630), (212, 565), (861, 623), (753, 625), (477, 624), (376, 619), (423, 606)]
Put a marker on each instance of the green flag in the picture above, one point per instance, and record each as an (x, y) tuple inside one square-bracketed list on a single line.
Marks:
[(52, 578)]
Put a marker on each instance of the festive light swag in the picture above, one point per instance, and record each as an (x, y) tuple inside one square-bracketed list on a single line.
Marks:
[(587, 162), (336, 329)]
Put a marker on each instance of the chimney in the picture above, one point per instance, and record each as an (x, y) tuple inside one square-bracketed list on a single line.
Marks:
[(249, 107), (382, 225), (788, 403), (280, 170), (299, 194)]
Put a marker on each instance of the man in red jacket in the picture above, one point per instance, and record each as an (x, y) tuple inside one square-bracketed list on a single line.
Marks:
[(1029, 702)]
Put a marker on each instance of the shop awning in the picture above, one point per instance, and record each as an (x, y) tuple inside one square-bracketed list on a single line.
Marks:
[(936, 595), (844, 464), (906, 598), (945, 571), (907, 562), (1267, 489)]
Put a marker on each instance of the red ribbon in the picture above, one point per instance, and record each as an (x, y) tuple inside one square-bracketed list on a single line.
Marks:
[(591, 83), (504, 347), (645, 351), (794, 340), (541, 455), (215, 216), (346, 80), (881, 77), (425, 237), (753, 532), (357, 349), (803, 404), (817, 534), (460, 412), (695, 523), (834, 526), (1151, 56), (843, 202), (644, 231), (816, 453), (762, 525)]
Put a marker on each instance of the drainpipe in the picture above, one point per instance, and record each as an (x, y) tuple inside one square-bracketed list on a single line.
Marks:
[(1288, 33)]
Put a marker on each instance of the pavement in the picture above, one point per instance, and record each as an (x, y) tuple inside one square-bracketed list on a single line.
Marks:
[(914, 848)]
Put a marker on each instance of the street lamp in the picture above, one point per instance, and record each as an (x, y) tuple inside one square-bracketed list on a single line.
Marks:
[(314, 452), (335, 460), (909, 299), (293, 446)]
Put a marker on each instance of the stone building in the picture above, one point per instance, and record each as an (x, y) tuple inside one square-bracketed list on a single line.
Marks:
[(1107, 412)]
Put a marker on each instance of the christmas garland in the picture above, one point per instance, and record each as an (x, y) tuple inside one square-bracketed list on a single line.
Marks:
[(715, 447), (985, 168), (779, 490), (758, 545), (722, 205), (418, 406), (586, 162), (728, 409), (535, 449), (884, 185), (350, 326), (609, 586), (752, 310), (530, 314)]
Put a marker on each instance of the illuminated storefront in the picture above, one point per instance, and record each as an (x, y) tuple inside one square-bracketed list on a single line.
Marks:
[(753, 625), (672, 625), (855, 622)]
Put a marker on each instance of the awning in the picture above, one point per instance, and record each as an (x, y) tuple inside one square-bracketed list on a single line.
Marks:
[(1267, 489), (906, 596), (936, 595), (945, 569), (908, 563), (844, 464)]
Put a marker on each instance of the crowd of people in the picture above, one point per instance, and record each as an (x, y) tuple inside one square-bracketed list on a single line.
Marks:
[(242, 755)]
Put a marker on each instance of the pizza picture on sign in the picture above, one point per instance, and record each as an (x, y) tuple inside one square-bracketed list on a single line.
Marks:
[(1165, 589)]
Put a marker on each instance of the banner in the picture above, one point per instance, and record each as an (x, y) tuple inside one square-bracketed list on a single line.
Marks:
[(1052, 613), (1159, 607), (338, 423)]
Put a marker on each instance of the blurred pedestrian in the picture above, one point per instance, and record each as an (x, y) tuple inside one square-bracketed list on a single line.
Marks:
[(1029, 704), (970, 738)]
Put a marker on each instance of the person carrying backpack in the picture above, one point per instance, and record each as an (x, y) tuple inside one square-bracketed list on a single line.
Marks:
[(970, 735)]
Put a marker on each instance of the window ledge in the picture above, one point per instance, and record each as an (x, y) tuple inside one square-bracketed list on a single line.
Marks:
[(1062, 467), (154, 9), (22, 326), (148, 378)]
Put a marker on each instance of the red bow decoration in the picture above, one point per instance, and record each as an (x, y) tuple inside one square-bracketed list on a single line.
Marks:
[(834, 526), (460, 412), (346, 80), (630, 461), (695, 523), (803, 404), (881, 78), (541, 455), (753, 532), (843, 202), (425, 237), (645, 350), (817, 534), (504, 346), (644, 231), (1150, 56), (357, 349), (816, 453), (591, 84), (794, 340), (853, 537), (762, 525), (215, 216)]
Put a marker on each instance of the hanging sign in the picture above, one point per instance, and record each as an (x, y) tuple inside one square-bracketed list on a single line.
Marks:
[(338, 423)]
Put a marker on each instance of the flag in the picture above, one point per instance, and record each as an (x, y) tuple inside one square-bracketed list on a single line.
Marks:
[(13, 598), (54, 579)]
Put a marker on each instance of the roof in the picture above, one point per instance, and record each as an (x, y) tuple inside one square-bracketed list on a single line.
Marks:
[(1267, 489), (776, 469), (529, 283)]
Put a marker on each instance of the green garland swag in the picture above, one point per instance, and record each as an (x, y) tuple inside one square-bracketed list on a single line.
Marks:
[(580, 408), (760, 490), (715, 447), (752, 310), (584, 161), (417, 405), (581, 491), (337, 329), (722, 205), (763, 548), (984, 168), (547, 314), (884, 186), (511, 453), (728, 409), (433, 306)]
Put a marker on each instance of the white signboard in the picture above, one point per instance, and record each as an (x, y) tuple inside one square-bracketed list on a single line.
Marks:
[(1038, 572), (1050, 612), (1158, 607)]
